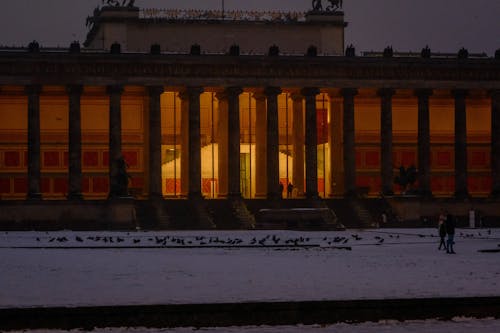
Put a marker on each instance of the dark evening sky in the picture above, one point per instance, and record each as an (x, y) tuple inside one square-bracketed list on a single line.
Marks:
[(407, 25)]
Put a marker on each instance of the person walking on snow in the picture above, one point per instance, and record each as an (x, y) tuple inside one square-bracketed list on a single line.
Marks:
[(450, 231), (442, 231)]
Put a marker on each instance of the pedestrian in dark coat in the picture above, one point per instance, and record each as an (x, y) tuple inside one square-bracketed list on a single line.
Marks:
[(442, 231), (450, 231)]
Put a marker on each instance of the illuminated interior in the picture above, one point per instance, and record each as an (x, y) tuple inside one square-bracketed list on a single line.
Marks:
[(95, 118)]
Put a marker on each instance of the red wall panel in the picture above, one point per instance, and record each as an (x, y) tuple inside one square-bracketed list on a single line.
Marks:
[(4, 185), (20, 185), (51, 159), (60, 185), (90, 159), (12, 159)]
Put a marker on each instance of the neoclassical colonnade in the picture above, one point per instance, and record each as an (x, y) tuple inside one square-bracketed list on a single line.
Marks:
[(266, 141)]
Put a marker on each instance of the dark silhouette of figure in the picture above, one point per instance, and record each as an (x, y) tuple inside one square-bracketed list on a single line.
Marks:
[(450, 231), (442, 231), (120, 185), (289, 190)]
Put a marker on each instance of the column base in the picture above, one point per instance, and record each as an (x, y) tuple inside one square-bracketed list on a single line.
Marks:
[(462, 195), (75, 196), (34, 196), (387, 193), (195, 195)]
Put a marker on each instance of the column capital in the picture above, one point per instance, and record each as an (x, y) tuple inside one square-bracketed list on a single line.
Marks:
[(259, 96), (296, 96), (74, 89), (233, 91), (272, 91), (309, 91), (348, 92), (114, 89), (155, 90), (423, 93), (459, 93), (194, 91), (33, 89), (386, 92)]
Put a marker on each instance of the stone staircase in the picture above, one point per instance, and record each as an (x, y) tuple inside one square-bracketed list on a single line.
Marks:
[(362, 214), (244, 218)]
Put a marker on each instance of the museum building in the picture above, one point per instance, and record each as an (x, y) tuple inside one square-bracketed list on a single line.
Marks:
[(256, 105)]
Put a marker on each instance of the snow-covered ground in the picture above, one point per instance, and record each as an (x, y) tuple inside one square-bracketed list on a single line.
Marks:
[(457, 325), (117, 268)]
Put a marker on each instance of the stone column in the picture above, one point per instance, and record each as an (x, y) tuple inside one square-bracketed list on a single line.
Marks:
[(260, 145), (155, 181), (424, 142), (184, 143), (233, 98), (273, 171), (34, 142), (298, 143), (222, 140), (115, 141), (311, 142), (495, 142), (335, 142), (461, 191), (349, 142), (386, 167), (194, 142), (75, 143)]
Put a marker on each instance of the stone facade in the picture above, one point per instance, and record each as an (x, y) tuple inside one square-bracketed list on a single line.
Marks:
[(254, 35)]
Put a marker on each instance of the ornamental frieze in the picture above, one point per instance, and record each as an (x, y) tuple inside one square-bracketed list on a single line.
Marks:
[(256, 68)]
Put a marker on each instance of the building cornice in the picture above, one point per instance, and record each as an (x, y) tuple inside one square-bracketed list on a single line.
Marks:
[(212, 70)]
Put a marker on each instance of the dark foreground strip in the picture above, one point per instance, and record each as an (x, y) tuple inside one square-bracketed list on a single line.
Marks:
[(242, 314)]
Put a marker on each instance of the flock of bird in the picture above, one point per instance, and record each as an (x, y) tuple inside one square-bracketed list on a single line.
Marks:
[(269, 240), (138, 239)]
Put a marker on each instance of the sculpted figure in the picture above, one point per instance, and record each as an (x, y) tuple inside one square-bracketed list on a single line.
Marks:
[(333, 5), (116, 3), (317, 5)]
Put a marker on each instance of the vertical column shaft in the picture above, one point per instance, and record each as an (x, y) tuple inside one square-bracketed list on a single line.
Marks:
[(260, 145), (461, 190), (34, 142), (273, 176), (335, 143), (115, 140), (233, 97), (75, 143), (495, 142), (349, 142), (184, 143), (298, 143), (222, 140), (386, 169), (155, 181), (424, 142), (311, 142), (194, 142)]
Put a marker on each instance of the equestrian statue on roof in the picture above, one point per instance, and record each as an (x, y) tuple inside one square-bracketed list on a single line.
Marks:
[(333, 6), (116, 3)]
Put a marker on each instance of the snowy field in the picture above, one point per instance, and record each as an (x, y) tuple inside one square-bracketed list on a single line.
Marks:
[(117, 268), (457, 325)]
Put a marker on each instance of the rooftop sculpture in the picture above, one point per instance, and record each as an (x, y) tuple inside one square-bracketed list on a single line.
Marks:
[(116, 3), (334, 5)]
